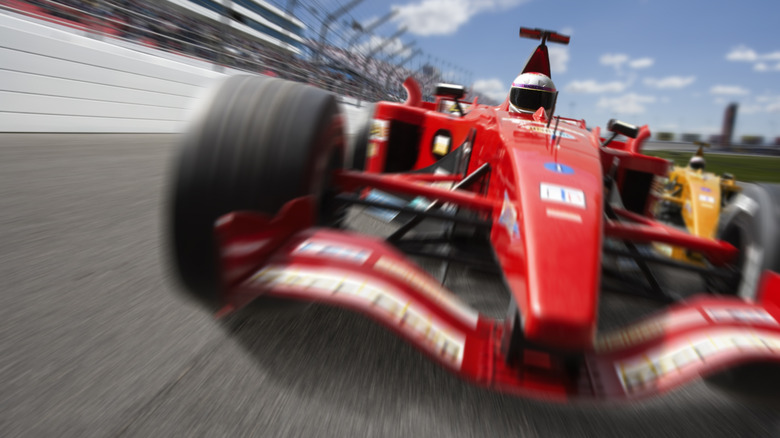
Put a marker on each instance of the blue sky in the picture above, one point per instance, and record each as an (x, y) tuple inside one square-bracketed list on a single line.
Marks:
[(673, 65)]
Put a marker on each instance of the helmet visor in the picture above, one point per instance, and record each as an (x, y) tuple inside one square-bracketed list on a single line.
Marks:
[(530, 100)]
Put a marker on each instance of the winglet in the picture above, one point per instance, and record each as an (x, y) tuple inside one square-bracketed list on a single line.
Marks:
[(539, 62)]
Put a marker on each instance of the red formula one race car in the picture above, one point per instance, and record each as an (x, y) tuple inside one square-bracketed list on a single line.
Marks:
[(261, 194)]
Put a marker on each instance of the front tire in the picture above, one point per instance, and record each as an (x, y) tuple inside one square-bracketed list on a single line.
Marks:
[(259, 143)]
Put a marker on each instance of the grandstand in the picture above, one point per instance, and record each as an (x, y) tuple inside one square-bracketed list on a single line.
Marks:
[(252, 19), (250, 35)]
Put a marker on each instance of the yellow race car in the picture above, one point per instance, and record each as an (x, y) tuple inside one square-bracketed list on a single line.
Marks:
[(692, 198)]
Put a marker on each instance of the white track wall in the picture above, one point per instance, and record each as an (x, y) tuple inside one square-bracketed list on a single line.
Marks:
[(53, 80), (62, 80)]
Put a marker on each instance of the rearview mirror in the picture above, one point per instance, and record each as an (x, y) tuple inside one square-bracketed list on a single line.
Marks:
[(450, 90), (623, 128)]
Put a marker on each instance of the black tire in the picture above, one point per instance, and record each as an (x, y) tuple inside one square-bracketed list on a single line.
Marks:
[(358, 145), (259, 143), (752, 224)]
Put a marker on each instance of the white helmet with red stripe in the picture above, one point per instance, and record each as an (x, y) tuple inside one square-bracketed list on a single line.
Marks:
[(530, 91)]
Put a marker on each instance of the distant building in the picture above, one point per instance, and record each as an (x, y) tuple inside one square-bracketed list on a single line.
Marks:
[(729, 118), (752, 140), (690, 138), (255, 19)]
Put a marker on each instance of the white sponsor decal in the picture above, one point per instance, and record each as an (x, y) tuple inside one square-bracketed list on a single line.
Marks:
[(644, 370), (550, 131), (744, 315), (517, 120), (543, 129), (564, 195), (648, 330), (436, 336), (430, 288), (332, 250), (707, 198)]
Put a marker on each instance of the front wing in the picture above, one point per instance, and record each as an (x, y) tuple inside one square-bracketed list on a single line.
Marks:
[(286, 257)]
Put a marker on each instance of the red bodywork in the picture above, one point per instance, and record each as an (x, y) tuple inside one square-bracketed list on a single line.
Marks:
[(544, 198), (549, 249), (286, 257)]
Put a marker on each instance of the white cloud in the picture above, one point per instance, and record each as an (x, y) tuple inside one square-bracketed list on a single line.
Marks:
[(742, 54), (372, 42), (762, 67), (591, 86), (444, 17), (731, 90), (559, 58), (750, 109), (668, 126), (761, 62), (618, 60), (641, 63), (627, 104), (673, 82), (768, 103), (493, 88), (375, 41), (613, 59)]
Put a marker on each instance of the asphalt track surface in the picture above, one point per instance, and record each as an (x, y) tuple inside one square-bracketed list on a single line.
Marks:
[(95, 340)]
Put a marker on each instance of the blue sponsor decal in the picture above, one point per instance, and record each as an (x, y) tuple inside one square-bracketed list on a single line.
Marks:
[(559, 168), (508, 217), (705, 189)]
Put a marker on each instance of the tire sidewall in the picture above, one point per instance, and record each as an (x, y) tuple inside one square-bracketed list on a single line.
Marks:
[(752, 217)]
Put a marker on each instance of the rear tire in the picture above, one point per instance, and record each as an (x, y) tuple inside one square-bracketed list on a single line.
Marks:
[(259, 143)]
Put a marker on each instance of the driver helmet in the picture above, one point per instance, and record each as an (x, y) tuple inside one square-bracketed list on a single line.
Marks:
[(530, 91), (697, 163)]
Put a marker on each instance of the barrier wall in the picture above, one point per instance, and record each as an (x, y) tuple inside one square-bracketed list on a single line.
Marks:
[(55, 80)]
